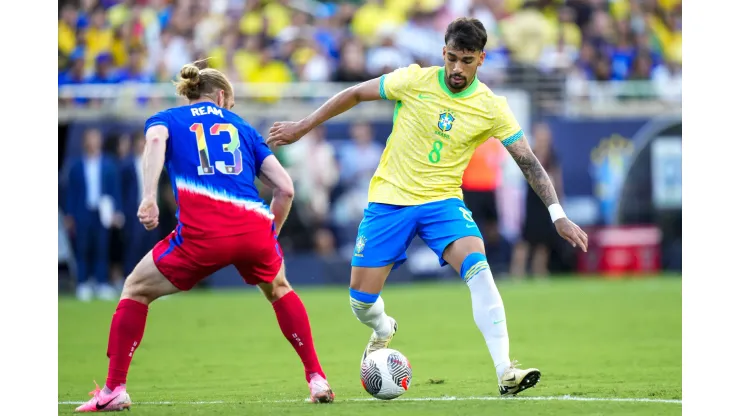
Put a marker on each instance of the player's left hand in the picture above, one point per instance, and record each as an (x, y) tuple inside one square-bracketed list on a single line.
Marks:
[(286, 132), (572, 233), (149, 214)]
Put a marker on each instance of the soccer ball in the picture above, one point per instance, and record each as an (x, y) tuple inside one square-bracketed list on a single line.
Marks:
[(385, 374)]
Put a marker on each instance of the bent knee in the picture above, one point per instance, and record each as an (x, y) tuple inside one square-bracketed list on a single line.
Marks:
[(138, 290), (277, 289)]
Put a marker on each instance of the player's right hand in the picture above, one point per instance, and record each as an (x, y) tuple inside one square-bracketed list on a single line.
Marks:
[(148, 213), (572, 233), (286, 132)]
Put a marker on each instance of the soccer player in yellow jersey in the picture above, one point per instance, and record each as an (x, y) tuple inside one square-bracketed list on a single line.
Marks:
[(441, 116)]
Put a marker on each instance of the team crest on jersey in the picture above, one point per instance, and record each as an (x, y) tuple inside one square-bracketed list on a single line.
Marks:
[(360, 244), (446, 118)]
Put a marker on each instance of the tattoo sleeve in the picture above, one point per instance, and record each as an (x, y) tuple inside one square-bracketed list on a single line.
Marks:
[(533, 171)]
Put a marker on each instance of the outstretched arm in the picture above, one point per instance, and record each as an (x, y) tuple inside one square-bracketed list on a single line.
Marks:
[(282, 133), (540, 182)]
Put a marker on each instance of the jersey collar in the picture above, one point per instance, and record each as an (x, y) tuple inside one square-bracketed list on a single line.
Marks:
[(462, 94)]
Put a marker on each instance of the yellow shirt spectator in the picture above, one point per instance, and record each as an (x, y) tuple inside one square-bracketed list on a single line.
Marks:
[(67, 38), (98, 40), (118, 15), (371, 16), (526, 33), (278, 17), (270, 71)]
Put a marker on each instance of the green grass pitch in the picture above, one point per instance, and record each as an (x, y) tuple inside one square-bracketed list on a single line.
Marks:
[(222, 353)]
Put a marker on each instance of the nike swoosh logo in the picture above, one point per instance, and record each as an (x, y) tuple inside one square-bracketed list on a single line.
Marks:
[(469, 226), (498, 322), (513, 378), (424, 97), (103, 406)]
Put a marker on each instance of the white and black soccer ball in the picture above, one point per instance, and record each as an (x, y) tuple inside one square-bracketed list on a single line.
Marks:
[(385, 374)]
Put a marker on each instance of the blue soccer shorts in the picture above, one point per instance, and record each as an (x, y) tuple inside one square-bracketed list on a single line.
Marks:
[(387, 230)]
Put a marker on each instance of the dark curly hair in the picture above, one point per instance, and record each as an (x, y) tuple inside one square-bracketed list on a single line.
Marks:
[(466, 34)]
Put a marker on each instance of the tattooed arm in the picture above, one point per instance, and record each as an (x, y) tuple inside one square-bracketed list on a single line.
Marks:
[(533, 171), (540, 182)]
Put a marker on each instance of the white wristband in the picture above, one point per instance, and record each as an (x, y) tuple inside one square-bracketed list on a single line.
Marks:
[(556, 212)]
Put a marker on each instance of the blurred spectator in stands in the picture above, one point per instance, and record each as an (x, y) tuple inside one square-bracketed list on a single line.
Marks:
[(135, 70), (419, 38), (623, 52), (642, 66), (75, 75), (104, 70), (67, 30), (329, 31), (270, 71), (98, 37), (372, 15), (526, 33), (324, 243), (92, 206), (176, 51), (137, 241), (122, 152), (479, 183), (557, 59), (352, 63), (567, 29), (312, 165), (386, 57), (311, 63), (667, 81), (538, 234)]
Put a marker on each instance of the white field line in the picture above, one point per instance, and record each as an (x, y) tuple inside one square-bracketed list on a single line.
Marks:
[(566, 398)]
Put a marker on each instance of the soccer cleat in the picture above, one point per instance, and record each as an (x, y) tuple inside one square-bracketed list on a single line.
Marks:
[(116, 400), (377, 343), (516, 380), (320, 390)]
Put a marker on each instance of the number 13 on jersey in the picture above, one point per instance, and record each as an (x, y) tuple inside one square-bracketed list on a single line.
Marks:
[(205, 167)]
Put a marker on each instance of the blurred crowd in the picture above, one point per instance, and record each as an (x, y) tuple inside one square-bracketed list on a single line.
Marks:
[(282, 41)]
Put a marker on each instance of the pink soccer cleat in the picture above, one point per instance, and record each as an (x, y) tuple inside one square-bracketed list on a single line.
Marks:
[(117, 400), (320, 390)]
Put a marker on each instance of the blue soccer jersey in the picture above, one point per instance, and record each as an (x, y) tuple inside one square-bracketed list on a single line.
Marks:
[(212, 159)]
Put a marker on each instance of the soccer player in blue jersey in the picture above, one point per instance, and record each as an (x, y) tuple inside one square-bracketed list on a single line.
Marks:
[(212, 157)]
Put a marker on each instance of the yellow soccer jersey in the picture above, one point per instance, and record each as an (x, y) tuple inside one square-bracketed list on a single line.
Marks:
[(435, 133)]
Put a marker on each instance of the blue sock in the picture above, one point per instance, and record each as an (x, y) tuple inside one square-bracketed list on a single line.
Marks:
[(362, 300), (370, 310), (472, 265)]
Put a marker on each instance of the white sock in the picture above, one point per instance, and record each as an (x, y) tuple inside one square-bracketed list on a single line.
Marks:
[(371, 314), (488, 312)]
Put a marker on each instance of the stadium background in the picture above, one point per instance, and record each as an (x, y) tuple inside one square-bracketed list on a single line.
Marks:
[(601, 77)]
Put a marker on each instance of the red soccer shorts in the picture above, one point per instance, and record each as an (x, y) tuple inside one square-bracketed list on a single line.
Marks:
[(185, 262)]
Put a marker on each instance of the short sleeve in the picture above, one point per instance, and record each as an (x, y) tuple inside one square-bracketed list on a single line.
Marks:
[(505, 126), (159, 119), (393, 86), (260, 149)]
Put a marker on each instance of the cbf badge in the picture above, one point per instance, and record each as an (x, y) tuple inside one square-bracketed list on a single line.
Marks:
[(609, 164), (360, 245), (445, 120)]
